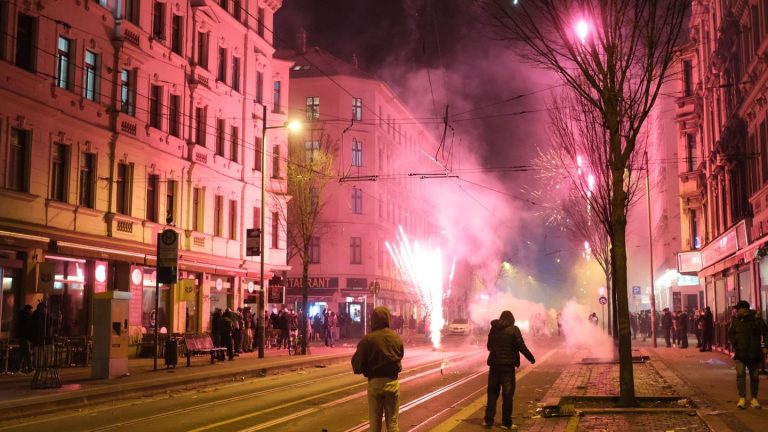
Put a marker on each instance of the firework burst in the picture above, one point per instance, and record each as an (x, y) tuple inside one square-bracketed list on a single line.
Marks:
[(423, 268)]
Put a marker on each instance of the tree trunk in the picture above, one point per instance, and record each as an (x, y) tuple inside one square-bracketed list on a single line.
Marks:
[(304, 299), (619, 257)]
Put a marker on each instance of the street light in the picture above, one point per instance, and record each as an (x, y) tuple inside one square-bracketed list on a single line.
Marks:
[(650, 246), (293, 126)]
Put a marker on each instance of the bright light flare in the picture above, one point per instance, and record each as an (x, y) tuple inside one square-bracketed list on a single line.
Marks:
[(423, 268), (294, 125), (524, 326), (582, 30)]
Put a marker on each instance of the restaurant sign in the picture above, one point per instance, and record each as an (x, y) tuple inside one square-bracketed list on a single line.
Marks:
[(314, 282)]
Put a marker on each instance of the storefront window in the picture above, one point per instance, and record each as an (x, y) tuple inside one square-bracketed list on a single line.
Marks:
[(189, 292), (720, 311), (67, 302), (221, 287), (10, 280), (148, 304), (745, 287), (710, 293), (764, 287), (732, 295)]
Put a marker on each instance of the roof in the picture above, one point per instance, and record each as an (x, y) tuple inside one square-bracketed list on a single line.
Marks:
[(315, 62)]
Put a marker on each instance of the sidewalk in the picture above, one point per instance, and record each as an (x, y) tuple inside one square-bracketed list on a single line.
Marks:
[(18, 399), (678, 390)]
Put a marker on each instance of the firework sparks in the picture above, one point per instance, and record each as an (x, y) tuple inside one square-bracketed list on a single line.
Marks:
[(423, 268)]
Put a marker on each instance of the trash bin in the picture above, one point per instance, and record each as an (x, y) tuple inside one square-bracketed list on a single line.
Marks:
[(171, 353)]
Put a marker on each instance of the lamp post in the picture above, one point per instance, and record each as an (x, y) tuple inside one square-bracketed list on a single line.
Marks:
[(260, 336), (650, 246)]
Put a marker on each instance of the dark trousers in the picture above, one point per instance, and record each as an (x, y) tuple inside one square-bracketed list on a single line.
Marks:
[(706, 340), (500, 379), (667, 332), (228, 343)]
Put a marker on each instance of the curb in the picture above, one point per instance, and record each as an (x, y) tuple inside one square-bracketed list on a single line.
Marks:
[(48, 404)]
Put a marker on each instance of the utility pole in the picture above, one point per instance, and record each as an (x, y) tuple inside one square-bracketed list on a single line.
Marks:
[(650, 245)]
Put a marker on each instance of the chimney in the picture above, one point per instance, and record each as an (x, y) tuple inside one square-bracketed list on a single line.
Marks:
[(301, 41), (354, 60)]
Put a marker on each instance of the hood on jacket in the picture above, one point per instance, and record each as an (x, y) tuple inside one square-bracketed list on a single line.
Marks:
[(505, 320), (380, 318)]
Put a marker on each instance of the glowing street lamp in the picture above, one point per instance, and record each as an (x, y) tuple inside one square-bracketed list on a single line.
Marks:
[(582, 30), (292, 126)]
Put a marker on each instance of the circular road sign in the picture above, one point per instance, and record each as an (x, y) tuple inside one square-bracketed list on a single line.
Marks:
[(603, 300)]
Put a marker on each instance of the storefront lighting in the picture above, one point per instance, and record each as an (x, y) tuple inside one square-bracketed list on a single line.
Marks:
[(137, 276), (24, 236), (63, 258), (101, 273)]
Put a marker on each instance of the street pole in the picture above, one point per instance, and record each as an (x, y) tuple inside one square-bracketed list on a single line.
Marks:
[(157, 318), (650, 245), (603, 317), (262, 300)]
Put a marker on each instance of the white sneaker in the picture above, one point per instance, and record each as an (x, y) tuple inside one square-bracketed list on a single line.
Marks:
[(742, 403), (755, 403)]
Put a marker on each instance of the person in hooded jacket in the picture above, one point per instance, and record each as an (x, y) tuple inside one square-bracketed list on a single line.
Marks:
[(378, 357), (505, 343), (748, 335)]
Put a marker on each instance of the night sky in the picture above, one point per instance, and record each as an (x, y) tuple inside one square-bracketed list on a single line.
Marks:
[(409, 43)]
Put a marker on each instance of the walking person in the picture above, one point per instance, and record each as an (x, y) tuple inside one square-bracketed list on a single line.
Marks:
[(682, 330), (707, 330), (748, 335), (330, 325), (505, 343), (666, 325), (26, 332), (378, 358)]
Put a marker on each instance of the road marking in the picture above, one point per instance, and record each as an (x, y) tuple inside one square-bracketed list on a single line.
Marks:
[(305, 412), (456, 419)]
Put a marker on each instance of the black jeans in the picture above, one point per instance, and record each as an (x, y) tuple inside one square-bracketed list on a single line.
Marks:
[(500, 378)]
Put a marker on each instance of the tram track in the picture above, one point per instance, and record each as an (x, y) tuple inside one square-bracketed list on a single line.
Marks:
[(302, 413), (225, 401)]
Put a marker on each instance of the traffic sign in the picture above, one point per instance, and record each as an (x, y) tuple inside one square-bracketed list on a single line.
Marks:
[(603, 300), (167, 256), (635, 290)]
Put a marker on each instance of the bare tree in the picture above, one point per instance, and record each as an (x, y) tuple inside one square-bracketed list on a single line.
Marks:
[(614, 55), (310, 168)]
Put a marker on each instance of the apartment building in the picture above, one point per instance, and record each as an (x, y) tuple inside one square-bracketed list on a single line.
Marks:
[(124, 118), (377, 144), (723, 119)]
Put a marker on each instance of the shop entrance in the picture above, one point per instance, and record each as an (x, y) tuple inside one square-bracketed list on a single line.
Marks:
[(355, 321)]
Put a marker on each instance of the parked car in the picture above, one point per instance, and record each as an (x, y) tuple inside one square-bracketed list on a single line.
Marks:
[(459, 326)]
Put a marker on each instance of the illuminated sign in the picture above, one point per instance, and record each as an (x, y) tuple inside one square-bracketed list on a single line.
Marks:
[(689, 262), (100, 276), (314, 282)]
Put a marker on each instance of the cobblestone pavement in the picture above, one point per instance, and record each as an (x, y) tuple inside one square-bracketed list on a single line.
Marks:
[(602, 380), (630, 422)]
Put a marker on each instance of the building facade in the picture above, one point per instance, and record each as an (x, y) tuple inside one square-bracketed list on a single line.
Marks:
[(120, 123), (723, 119), (376, 143)]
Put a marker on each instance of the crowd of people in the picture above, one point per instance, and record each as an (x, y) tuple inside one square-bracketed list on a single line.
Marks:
[(675, 327)]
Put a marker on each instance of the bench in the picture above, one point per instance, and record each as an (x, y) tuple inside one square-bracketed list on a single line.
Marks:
[(201, 344)]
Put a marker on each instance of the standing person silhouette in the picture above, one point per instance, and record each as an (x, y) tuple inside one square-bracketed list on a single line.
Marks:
[(505, 343), (378, 358)]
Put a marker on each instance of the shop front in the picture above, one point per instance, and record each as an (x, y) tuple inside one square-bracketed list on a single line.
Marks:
[(730, 272)]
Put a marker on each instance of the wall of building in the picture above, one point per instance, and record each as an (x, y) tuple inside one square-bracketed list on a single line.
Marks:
[(131, 150)]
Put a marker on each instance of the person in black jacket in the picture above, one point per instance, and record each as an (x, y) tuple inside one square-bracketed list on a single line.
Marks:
[(378, 357), (707, 329), (505, 343), (748, 335), (666, 326)]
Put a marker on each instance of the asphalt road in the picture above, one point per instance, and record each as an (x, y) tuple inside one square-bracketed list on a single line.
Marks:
[(440, 390)]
